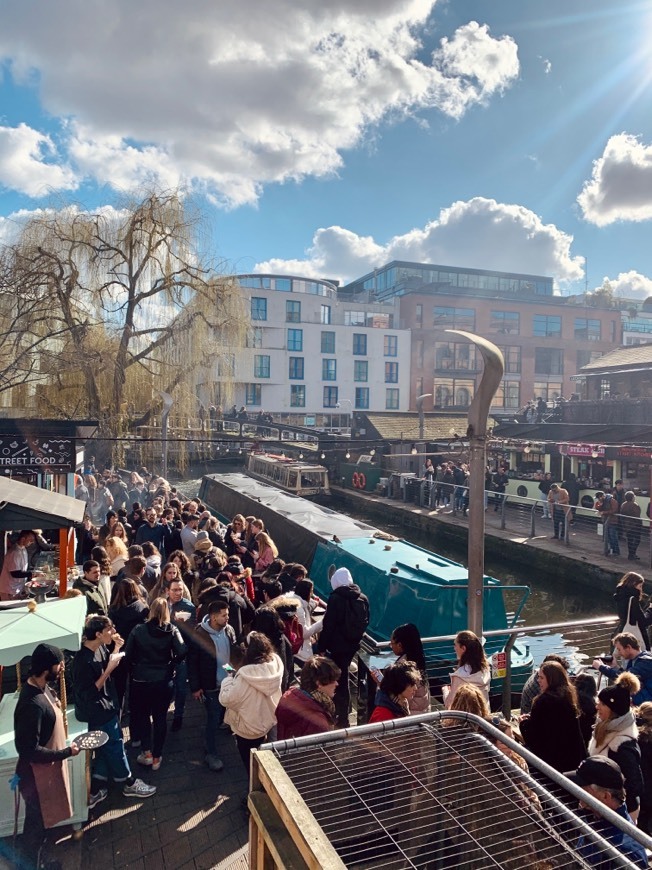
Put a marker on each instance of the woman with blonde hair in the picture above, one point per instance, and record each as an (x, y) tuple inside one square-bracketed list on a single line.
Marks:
[(468, 699), (117, 553), (267, 552), (473, 666), (152, 652)]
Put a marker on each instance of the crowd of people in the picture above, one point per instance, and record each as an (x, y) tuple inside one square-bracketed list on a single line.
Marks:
[(179, 605)]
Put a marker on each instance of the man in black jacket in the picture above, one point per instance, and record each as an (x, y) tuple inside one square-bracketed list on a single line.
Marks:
[(208, 653), (345, 622), (34, 723)]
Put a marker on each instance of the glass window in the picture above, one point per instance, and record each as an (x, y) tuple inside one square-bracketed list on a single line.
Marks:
[(454, 356), (360, 370), (354, 318), (546, 325), (296, 368), (255, 337), (261, 366), (588, 329), (512, 355), (295, 339), (390, 345), (451, 392), (508, 395), (548, 361), (284, 284), (359, 344), (328, 342), (391, 399), (330, 397), (548, 390), (329, 370), (253, 393), (505, 322), (325, 314), (443, 393), (391, 373), (418, 315), (584, 357), (297, 396), (446, 317), (362, 397), (292, 311), (258, 308)]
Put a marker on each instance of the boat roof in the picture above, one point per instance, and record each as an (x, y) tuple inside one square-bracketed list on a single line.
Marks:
[(319, 520), (288, 461)]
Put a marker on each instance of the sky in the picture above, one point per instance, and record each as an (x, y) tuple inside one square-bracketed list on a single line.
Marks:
[(327, 137)]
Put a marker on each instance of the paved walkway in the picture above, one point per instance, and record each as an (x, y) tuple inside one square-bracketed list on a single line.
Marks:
[(194, 822)]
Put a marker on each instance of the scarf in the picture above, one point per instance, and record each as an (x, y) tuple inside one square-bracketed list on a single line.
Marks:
[(398, 706), (605, 733), (324, 701)]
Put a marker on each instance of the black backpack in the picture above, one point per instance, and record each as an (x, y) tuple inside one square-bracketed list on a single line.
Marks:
[(356, 618)]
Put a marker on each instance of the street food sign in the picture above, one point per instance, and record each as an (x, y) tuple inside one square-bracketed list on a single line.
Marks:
[(582, 450), (33, 453)]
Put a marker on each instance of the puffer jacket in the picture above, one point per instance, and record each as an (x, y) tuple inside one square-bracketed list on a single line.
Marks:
[(621, 746), (153, 650), (251, 697)]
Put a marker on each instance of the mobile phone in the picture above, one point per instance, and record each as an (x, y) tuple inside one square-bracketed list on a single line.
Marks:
[(229, 669), (376, 673), (606, 659)]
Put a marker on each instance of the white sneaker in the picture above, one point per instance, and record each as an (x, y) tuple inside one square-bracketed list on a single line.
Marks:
[(145, 758), (139, 789)]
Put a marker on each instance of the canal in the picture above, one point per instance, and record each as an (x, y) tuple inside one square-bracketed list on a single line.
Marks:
[(551, 599)]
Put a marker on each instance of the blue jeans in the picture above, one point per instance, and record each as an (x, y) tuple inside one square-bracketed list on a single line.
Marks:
[(110, 761), (612, 537), (559, 521), (214, 718), (180, 689)]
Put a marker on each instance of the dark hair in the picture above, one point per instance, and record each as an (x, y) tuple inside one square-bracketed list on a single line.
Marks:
[(585, 685), (135, 565), (631, 580), (150, 549), (270, 623), (397, 677), (134, 550), (273, 588), (318, 671), (185, 561), (89, 564), (274, 568), (100, 555), (95, 625), (217, 605), (473, 654), (410, 639), (304, 589), (561, 660), (558, 684), (126, 593), (259, 649)]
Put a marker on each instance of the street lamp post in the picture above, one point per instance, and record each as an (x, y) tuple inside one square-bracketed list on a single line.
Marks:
[(494, 367), (421, 414)]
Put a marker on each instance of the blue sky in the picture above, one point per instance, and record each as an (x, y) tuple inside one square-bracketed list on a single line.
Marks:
[(325, 138)]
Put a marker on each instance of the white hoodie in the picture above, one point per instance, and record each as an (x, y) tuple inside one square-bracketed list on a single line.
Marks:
[(251, 697)]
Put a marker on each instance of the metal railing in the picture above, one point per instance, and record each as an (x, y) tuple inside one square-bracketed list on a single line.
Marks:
[(580, 641)]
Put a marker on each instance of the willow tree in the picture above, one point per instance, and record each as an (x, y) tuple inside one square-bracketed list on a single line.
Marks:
[(118, 292)]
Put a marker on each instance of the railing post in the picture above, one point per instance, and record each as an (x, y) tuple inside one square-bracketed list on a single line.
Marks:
[(507, 682), (533, 523), (605, 536), (503, 516)]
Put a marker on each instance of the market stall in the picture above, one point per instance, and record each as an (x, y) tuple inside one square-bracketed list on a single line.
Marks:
[(59, 622)]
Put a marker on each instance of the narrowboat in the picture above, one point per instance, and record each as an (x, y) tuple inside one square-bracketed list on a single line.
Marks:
[(404, 582), (296, 476)]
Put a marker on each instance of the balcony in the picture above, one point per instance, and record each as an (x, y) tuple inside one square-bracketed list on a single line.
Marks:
[(606, 411)]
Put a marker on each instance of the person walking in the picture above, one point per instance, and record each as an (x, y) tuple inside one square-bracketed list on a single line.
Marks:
[(630, 517), (152, 653), (345, 622)]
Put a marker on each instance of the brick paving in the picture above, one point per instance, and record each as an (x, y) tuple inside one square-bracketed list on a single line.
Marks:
[(195, 820)]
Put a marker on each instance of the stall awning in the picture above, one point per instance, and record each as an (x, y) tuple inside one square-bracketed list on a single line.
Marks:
[(23, 506), (57, 622)]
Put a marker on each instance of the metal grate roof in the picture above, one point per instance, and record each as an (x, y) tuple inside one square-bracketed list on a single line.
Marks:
[(439, 794)]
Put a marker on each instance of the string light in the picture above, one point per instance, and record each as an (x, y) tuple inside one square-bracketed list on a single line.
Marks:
[(372, 452), (301, 456), (527, 448), (347, 455)]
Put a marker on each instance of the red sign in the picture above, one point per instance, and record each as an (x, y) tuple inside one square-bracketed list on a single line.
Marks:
[(637, 452), (581, 449)]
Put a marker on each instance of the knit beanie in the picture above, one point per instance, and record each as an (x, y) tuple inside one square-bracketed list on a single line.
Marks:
[(617, 698), (44, 657)]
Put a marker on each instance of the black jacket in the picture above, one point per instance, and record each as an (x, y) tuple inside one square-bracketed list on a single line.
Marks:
[(622, 597), (553, 732), (202, 668), (128, 617), (93, 705), (240, 607), (332, 637), (33, 726), (152, 652)]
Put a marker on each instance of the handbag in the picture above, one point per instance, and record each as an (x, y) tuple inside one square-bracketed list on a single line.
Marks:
[(633, 627)]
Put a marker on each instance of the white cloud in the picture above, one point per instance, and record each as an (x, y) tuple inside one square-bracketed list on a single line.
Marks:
[(620, 187), (23, 166), (232, 96), (480, 233), (631, 285)]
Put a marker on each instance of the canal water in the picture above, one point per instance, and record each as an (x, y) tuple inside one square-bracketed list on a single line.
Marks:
[(551, 599)]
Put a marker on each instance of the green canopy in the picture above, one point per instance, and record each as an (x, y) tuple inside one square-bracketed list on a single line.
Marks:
[(59, 622)]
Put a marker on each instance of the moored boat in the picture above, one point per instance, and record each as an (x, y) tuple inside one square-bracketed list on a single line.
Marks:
[(298, 476), (404, 582)]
